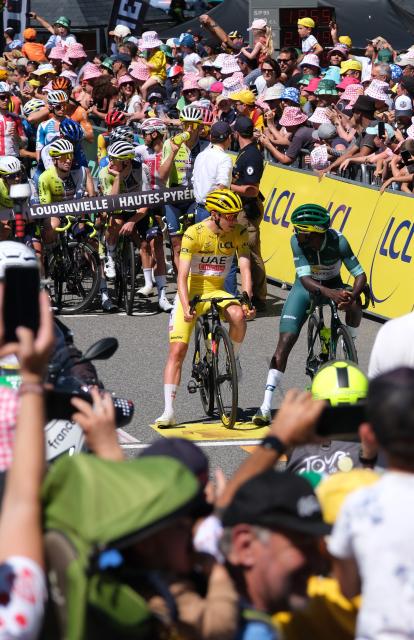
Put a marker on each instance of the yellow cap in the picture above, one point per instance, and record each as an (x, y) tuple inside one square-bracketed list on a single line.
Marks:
[(306, 22), (333, 490), (350, 65), (3, 74), (345, 40), (245, 96), (34, 83)]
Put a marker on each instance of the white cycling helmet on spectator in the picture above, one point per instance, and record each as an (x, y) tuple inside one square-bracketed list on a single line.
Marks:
[(60, 147), (121, 151), (123, 132), (55, 98), (16, 254), (33, 105), (4, 87), (9, 165), (191, 114), (153, 124)]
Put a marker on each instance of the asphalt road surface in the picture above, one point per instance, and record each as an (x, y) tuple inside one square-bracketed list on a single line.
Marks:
[(136, 372)]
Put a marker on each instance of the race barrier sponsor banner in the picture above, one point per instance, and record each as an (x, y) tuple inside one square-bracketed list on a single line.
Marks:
[(379, 228), (124, 202)]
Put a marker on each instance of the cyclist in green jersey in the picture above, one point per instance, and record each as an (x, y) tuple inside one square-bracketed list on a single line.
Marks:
[(318, 254)]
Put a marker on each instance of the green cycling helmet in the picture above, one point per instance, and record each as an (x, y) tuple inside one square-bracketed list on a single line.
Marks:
[(310, 218), (340, 382)]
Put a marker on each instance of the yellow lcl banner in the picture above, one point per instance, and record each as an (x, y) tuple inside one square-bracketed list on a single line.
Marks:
[(379, 228)]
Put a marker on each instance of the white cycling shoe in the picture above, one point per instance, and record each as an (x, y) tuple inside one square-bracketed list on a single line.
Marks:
[(145, 291), (164, 304), (165, 421), (109, 268)]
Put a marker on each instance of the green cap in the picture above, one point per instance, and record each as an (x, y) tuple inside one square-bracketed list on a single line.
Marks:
[(108, 63), (305, 79), (167, 50), (63, 22), (326, 88), (384, 55)]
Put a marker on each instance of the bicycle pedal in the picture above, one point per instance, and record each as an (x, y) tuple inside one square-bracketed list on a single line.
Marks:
[(192, 386)]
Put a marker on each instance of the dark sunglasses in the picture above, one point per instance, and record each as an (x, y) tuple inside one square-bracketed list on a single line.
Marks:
[(267, 71), (4, 96), (285, 61)]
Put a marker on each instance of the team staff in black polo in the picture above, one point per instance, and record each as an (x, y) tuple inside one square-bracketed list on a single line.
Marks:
[(247, 173)]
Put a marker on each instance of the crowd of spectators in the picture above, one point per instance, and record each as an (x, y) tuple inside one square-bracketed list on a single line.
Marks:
[(321, 110)]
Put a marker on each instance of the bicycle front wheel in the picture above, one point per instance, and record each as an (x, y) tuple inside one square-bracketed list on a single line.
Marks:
[(317, 350), (203, 368), (128, 274), (77, 278), (225, 377), (344, 346)]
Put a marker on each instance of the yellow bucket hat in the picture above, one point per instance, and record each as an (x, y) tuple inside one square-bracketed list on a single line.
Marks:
[(345, 40), (306, 22), (246, 96), (350, 65)]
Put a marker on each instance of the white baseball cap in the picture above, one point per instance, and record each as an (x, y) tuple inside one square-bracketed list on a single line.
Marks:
[(259, 23), (403, 103), (121, 31)]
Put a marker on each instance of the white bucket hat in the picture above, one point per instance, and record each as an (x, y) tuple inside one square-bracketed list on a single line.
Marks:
[(149, 40)]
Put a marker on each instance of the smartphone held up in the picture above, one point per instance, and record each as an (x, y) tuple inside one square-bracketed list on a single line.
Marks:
[(21, 299)]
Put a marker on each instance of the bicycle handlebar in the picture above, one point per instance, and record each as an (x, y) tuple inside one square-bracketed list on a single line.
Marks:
[(70, 221)]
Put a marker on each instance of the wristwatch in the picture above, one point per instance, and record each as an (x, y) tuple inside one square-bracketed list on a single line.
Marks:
[(273, 443)]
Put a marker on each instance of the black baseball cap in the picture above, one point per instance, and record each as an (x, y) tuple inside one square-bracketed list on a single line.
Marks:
[(244, 126), (183, 450), (122, 57), (366, 104), (157, 93), (408, 83), (220, 131), (277, 500)]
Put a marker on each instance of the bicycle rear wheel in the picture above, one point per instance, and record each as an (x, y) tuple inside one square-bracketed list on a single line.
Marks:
[(202, 370), (225, 377), (76, 278), (317, 351), (344, 347), (128, 274)]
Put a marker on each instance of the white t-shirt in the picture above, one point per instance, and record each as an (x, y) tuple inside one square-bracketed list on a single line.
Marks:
[(376, 528), (308, 43), (393, 346), (134, 104), (211, 167), (190, 63)]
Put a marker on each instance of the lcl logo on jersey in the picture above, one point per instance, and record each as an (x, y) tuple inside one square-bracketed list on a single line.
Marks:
[(226, 245)]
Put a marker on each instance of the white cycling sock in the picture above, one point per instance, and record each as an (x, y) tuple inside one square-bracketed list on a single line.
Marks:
[(170, 392), (110, 249), (236, 347), (161, 282), (273, 379), (148, 277), (353, 331)]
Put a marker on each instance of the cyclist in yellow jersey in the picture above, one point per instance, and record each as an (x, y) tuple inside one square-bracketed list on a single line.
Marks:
[(207, 252)]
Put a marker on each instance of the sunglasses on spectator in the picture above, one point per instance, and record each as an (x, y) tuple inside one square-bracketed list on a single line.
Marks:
[(4, 96), (267, 71), (284, 60)]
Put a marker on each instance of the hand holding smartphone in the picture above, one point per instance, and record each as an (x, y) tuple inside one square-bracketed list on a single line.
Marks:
[(20, 300)]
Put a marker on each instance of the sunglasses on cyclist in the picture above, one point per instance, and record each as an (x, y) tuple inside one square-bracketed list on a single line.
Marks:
[(65, 156), (13, 176)]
